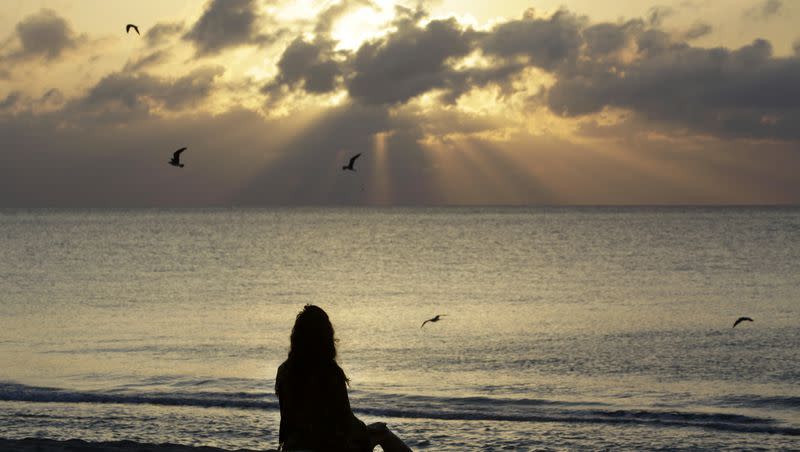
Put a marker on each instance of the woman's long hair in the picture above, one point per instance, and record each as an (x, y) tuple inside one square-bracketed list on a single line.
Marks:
[(313, 345)]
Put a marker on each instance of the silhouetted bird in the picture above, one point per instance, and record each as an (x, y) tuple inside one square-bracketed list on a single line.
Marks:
[(740, 320), (435, 319), (176, 158), (349, 166), (129, 26)]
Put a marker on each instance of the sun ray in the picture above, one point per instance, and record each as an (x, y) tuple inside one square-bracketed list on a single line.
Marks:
[(379, 186)]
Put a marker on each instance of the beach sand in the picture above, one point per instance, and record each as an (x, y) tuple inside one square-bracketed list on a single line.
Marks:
[(74, 445)]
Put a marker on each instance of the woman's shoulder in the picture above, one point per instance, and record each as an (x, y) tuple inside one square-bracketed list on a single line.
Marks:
[(282, 376)]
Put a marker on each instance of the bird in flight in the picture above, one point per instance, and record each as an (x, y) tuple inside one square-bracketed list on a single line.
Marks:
[(349, 166), (434, 319), (129, 26), (176, 158), (740, 320)]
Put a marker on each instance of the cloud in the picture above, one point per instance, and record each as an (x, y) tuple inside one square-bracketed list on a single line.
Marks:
[(17, 102), (631, 65), (327, 18), (49, 164), (150, 59), (409, 62), (44, 35), (546, 42), (53, 96), (657, 14), (605, 38), (161, 32), (227, 24), (121, 96), (765, 10), (311, 66), (744, 93), (697, 30), (10, 101)]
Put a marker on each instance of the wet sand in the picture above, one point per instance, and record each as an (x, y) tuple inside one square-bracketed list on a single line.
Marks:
[(74, 445)]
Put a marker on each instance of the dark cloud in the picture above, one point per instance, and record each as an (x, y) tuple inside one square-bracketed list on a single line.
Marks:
[(463, 81), (17, 102), (10, 101), (765, 10), (409, 62), (44, 35), (547, 42), (120, 97), (161, 32), (739, 93), (311, 66), (227, 24), (53, 96), (605, 38), (150, 59), (746, 92), (49, 164), (697, 30), (657, 14)]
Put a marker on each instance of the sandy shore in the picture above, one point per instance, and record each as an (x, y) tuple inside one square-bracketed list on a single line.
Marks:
[(74, 445)]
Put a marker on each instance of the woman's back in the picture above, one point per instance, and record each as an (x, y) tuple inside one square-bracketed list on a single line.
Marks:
[(312, 393), (315, 409)]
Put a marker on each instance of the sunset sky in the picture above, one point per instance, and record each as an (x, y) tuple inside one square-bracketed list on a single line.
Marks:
[(450, 102)]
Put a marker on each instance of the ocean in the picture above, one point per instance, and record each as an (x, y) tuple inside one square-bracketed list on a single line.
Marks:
[(565, 328)]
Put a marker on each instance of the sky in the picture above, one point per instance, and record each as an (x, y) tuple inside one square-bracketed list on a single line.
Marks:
[(450, 102)]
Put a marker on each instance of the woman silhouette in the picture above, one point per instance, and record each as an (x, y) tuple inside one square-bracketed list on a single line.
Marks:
[(312, 393)]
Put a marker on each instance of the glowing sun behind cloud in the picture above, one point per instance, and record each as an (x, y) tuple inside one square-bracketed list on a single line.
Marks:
[(362, 24)]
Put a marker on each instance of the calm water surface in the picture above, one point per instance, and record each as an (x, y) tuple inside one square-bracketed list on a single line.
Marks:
[(566, 327)]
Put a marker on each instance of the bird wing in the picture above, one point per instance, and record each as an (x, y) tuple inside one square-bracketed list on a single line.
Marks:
[(740, 320), (177, 153), (129, 26), (423, 323), (353, 158)]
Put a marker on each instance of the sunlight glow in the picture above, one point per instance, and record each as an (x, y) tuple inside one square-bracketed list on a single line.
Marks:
[(362, 25)]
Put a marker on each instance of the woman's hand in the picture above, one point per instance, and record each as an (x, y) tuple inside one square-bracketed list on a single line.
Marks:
[(377, 432)]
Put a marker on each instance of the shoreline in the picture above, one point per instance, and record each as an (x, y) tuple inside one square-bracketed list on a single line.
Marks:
[(72, 445)]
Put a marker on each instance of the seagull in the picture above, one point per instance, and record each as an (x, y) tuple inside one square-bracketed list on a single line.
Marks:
[(129, 26), (740, 320), (176, 158), (349, 166), (435, 319)]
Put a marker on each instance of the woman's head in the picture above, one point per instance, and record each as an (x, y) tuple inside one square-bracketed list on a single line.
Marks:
[(312, 339)]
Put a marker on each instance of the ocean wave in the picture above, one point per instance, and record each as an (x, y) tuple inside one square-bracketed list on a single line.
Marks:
[(713, 421), (423, 407), (755, 401), (22, 393)]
